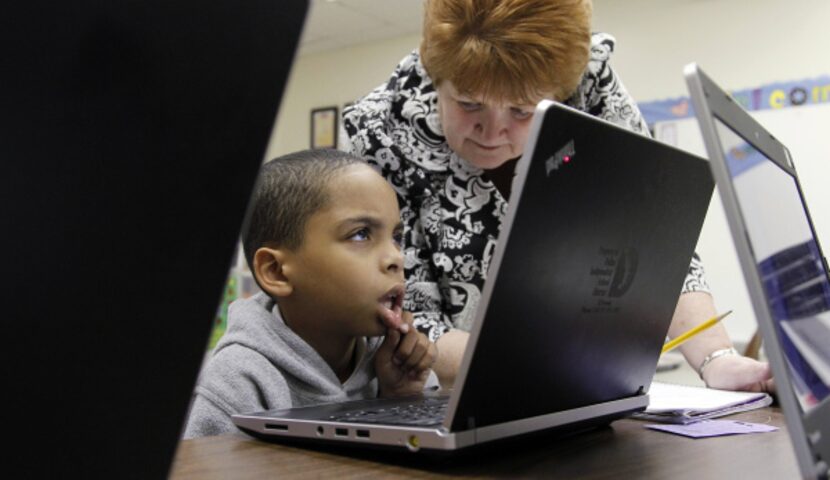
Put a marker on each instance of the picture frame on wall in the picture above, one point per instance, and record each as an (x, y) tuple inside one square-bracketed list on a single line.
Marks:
[(324, 127)]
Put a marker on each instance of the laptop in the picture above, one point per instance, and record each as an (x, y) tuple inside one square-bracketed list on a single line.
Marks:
[(132, 134), (785, 270), (580, 294)]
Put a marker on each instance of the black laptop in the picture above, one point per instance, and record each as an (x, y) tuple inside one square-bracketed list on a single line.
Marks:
[(600, 230), (785, 269), (131, 137)]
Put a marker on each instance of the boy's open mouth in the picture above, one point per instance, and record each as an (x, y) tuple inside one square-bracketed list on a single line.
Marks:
[(393, 298)]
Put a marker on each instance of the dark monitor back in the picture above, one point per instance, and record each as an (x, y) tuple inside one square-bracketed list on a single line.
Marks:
[(131, 137), (598, 239)]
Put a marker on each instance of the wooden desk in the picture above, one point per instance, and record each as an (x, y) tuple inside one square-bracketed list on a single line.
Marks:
[(625, 450)]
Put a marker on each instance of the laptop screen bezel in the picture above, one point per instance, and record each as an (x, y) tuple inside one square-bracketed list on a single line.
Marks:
[(712, 104)]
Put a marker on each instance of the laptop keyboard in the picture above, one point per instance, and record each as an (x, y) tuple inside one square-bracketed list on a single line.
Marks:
[(423, 413)]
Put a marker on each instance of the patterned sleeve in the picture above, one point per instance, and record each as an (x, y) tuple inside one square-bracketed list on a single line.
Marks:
[(603, 95)]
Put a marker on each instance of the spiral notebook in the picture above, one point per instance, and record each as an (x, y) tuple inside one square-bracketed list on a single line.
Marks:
[(672, 403)]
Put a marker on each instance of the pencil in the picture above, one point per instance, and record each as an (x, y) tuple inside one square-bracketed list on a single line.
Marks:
[(694, 331)]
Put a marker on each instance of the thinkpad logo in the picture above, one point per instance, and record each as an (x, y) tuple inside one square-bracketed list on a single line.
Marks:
[(560, 158)]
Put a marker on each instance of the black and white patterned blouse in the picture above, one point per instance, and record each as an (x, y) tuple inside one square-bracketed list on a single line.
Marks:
[(451, 214)]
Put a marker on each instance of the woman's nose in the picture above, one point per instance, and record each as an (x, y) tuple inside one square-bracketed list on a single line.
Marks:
[(492, 125)]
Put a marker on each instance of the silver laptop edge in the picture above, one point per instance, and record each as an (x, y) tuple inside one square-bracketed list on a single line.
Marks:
[(731, 114), (415, 438)]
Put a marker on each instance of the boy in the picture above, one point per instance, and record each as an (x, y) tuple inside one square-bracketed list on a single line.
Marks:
[(323, 243)]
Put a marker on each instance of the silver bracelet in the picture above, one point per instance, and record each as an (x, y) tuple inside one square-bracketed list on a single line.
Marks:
[(714, 355)]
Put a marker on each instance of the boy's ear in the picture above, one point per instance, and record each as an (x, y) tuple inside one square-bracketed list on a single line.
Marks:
[(268, 268)]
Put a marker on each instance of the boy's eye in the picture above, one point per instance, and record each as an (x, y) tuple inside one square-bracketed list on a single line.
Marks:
[(469, 106), (361, 235), (397, 237), (520, 114)]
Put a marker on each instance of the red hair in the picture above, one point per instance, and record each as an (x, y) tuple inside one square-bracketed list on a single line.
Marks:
[(513, 50)]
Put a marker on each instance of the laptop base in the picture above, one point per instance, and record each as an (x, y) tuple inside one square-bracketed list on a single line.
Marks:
[(434, 440)]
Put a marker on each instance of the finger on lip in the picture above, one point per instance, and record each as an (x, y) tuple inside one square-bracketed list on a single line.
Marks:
[(393, 319), (403, 325), (392, 316)]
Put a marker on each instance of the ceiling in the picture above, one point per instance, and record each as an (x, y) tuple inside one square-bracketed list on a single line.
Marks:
[(335, 24)]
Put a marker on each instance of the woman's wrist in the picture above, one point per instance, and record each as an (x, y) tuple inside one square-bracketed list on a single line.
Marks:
[(712, 356)]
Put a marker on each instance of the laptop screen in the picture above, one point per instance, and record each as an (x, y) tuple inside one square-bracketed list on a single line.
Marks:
[(788, 260)]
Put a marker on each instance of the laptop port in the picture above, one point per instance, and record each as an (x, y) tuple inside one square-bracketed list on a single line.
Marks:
[(362, 433), (276, 426), (341, 432)]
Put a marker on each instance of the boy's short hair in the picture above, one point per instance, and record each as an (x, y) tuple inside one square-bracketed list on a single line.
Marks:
[(289, 190), (515, 50)]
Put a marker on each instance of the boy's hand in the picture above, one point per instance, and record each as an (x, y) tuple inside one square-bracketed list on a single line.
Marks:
[(403, 361)]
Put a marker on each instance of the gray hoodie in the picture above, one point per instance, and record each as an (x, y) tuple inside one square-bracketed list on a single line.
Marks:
[(261, 364)]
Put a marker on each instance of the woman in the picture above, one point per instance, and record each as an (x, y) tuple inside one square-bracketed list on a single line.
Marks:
[(446, 130)]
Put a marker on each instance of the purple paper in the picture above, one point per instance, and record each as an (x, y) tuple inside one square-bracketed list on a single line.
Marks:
[(714, 428)]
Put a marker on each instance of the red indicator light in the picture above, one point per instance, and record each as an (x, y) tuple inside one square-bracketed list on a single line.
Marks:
[(567, 159)]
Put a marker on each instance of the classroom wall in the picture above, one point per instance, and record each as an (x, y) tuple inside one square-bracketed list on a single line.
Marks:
[(742, 43), (332, 78)]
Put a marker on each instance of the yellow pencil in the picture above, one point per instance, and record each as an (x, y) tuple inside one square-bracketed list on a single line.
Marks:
[(694, 331)]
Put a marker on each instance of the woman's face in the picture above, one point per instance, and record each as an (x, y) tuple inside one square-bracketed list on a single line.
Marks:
[(483, 132)]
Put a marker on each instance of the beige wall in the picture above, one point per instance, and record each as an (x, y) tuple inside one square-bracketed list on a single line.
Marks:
[(742, 43), (332, 78)]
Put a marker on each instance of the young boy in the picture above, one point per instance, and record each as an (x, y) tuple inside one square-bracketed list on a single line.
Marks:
[(323, 243)]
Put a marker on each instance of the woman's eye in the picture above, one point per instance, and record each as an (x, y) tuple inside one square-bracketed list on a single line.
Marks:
[(520, 114), (361, 235), (469, 106), (397, 237)]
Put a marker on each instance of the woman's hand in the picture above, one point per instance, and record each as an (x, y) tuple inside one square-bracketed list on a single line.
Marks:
[(736, 372)]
